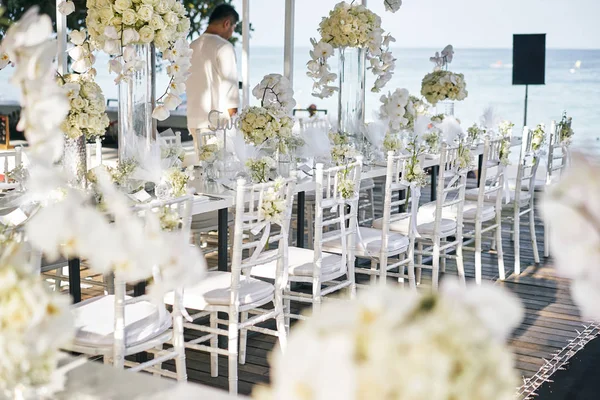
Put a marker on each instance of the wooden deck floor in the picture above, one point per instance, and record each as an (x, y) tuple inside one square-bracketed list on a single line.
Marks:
[(551, 320)]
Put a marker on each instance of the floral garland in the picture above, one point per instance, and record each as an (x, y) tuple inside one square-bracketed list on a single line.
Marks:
[(87, 115), (341, 150), (505, 131), (260, 168), (413, 171), (116, 26), (350, 25), (565, 132), (538, 137), (357, 349), (346, 187), (272, 208), (441, 85)]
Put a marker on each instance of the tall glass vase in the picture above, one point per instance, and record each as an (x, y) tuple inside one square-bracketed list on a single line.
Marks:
[(351, 103), (136, 101), (74, 160), (445, 107)]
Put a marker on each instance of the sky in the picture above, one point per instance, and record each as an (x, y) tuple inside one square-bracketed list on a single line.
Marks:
[(433, 23)]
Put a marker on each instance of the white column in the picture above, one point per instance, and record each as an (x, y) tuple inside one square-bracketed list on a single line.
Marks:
[(245, 53), (288, 46), (61, 35)]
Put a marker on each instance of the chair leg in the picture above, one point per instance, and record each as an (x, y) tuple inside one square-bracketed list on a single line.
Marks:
[(435, 274), (282, 329), (546, 240), (214, 344), (243, 338), (373, 277), (477, 252), (419, 262), (372, 200), (536, 253), (232, 349), (287, 309), (402, 257), (500, 252), (443, 257), (309, 227), (460, 266), (516, 233), (179, 347)]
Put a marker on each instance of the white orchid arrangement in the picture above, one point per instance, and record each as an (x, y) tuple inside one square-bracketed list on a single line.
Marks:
[(116, 26), (260, 168), (442, 84), (394, 109), (565, 132), (270, 124), (34, 323), (413, 171), (538, 138), (392, 5), (357, 349), (346, 186), (82, 53), (350, 25), (125, 245), (570, 207), (87, 115)]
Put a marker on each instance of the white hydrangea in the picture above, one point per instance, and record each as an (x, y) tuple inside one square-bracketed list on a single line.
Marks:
[(358, 349)]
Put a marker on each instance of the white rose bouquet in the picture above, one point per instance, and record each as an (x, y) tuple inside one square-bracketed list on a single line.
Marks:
[(34, 323), (441, 84), (446, 345), (350, 25), (87, 115), (273, 205), (270, 125)]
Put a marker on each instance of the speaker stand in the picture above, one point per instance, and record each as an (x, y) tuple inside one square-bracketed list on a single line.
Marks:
[(526, 96)]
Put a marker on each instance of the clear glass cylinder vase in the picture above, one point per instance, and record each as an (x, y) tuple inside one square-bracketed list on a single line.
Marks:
[(74, 160), (445, 107), (136, 102), (284, 163), (351, 103)]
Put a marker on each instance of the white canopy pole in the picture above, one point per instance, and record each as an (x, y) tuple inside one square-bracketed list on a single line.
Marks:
[(288, 46), (245, 53), (61, 37)]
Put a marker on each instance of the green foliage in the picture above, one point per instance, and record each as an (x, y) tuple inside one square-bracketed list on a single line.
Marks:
[(198, 10)]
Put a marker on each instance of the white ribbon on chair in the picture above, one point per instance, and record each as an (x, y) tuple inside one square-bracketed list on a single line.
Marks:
[(414, 205)]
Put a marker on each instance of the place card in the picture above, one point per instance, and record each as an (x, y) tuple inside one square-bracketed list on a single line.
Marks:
[(14, 218), (140, 196)]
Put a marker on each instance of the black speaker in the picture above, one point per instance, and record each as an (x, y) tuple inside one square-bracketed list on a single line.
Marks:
[(529, 59)]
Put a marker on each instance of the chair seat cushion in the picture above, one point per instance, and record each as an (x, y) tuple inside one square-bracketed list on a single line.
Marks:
[(370, 243), (95, 321), (425, 223), (472, 194), (301, 263), (488, 211), (215, 290)]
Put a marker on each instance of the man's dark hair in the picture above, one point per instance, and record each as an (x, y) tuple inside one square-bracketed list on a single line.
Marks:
[(224, 11)]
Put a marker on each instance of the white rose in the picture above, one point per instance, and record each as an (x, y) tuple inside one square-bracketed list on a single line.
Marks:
[(106, 14), (122, 5), (171, 18), (184, 25), (73, 132), (131, 36), (162, 6), (149, 2), (179, 8), (145, 13), (146, 34), (157, 22), (129, 17), (82, 120)]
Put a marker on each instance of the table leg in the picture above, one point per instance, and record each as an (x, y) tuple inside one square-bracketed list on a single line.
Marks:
[(75, 279), (402, 196), (222, 240), (434, 178), (139, 289), (479, 168), (300, 221)]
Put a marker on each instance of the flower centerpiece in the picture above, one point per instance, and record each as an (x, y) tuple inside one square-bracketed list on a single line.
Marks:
[(441, 84), (565, 132), (474, 134), (358, 349), (260, 168)]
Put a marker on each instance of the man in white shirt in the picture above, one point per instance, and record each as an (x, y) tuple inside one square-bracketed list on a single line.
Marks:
[(212, 88)]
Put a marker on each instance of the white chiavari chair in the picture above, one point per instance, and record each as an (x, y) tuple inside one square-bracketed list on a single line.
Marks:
[(484, 215), (327, 273), (237, 293), (116, 326), (438, 235)]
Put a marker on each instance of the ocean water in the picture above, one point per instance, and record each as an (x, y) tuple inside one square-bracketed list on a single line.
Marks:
[(488, 73)]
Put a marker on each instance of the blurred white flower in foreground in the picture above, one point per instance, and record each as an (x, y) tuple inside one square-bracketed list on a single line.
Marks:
[(396, 344)]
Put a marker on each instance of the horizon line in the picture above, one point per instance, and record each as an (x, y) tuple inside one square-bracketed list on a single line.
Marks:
[(456, 47)]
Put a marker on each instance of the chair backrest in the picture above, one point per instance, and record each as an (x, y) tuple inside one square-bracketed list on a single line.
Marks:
[(9, 160), (95, 149), (394, 181), (527, 167), (182, 207), (492, 173), (452, 182), (557, 154), (260, 208), (174, 140), (337, 190)]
